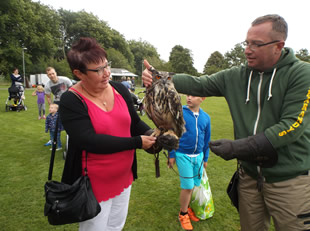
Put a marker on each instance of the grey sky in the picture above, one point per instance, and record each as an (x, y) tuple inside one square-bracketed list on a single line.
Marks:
[(200, 25)]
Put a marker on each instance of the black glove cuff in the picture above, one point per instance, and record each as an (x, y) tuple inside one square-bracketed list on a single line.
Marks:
[(264, 153)]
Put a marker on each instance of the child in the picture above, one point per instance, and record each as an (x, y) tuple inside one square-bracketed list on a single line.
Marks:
[(192, 155), (39, 92), (50, 125)]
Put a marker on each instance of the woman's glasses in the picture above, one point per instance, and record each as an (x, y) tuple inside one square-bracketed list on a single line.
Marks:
[(100, 70)]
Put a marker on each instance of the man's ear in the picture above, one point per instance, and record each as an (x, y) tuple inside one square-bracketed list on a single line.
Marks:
[(280, 45)]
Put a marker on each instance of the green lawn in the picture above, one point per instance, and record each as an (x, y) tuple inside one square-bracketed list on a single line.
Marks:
[(154, 203)]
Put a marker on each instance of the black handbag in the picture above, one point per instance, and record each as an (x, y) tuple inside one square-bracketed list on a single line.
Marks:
[(66, 204), (232, 189)]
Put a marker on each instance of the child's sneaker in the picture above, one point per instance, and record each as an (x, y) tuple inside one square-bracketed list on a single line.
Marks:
[(192, 215), (49, 143), (185, 222), (57, 149), (39, 118), (44, 117)]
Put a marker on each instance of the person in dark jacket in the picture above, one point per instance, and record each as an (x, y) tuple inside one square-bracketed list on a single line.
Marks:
[(16, 77), (268, 98), (50, 125), (18, 81), (102, 125)]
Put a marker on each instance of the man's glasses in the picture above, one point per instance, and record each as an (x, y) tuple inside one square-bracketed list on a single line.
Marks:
[(100, 70), (254, 46)]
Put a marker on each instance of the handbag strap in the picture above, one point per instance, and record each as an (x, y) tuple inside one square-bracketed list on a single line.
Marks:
[(54, 142), (83, 101), (50, 172)]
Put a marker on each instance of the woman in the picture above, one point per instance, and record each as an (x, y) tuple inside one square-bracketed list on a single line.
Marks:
[(16, 78), (17, 83), (102, 122)]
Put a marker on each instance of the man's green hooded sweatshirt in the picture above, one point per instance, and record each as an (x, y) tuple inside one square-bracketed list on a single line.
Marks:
[(274, 102)]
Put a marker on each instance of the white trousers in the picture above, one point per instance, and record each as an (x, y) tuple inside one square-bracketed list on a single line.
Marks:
[(112, 216)]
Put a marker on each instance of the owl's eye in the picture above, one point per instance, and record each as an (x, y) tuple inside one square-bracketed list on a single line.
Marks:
[(158, 77), (169, 78)]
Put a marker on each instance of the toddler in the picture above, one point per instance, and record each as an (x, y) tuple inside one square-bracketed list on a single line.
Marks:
[(39, 92), (50, 125)]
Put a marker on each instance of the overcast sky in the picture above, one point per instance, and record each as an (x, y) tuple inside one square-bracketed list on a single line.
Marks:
[(202, 26)]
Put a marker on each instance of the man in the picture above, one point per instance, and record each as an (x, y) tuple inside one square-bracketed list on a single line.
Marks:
[(133, 83), (268, 100), (56, 85), (125, 82)]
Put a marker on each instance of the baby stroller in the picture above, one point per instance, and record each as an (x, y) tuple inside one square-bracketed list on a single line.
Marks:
[(138, 102), (15, 101)]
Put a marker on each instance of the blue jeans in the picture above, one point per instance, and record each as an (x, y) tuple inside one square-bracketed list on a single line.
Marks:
[(58, 138)]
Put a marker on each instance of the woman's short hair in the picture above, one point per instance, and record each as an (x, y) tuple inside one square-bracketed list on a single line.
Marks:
[(85, 51)]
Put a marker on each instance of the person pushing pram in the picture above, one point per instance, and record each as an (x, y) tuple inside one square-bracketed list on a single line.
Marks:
[(18, 82), (16, 93)]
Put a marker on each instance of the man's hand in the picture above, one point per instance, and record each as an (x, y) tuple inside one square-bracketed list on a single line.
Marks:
[(147, 74), (256, 149), (49, 99), (223, 148)]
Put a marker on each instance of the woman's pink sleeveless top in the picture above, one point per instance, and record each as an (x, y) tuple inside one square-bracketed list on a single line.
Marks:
[(109, 174)]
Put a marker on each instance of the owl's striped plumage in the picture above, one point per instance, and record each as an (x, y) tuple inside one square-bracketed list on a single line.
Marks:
[(163, 106)]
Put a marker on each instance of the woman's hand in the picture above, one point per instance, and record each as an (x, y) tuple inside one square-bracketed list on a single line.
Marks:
[(146, 74), (148, 141)]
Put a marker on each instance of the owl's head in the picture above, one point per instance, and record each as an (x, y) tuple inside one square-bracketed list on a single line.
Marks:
[(161, 76)]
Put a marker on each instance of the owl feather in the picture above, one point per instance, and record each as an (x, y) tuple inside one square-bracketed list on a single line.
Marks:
[(163, 106)]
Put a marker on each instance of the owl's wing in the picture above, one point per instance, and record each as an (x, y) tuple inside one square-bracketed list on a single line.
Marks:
[(175, 106)]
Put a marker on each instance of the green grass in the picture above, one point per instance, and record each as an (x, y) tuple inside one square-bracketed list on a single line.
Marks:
[(154, 203)]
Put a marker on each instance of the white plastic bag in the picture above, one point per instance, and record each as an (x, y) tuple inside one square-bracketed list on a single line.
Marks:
[(201, 200)]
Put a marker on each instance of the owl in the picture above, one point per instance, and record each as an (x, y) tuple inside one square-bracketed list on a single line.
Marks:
[(163, 106)]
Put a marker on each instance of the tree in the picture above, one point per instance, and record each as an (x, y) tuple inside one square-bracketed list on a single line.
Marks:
[(26, 24), (181, 60), (119, 43), (235, 56), (215, 63), (118, 59), (303, 54), (83, 24), (143, 50)]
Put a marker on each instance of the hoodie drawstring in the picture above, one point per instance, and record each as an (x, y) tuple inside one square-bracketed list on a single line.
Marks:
[(249, 86), (269, 90), (270, 83)]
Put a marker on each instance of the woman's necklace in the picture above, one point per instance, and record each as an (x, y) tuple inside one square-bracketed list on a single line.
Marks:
[(84, 89)]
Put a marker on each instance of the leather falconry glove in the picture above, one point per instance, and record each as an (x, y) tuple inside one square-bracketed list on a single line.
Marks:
[(255, 149)]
